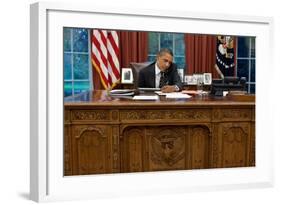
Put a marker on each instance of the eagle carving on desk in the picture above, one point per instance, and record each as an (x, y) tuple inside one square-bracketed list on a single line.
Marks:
[(167, 147)]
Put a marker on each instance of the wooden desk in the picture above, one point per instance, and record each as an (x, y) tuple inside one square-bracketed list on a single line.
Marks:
[(104, 134)]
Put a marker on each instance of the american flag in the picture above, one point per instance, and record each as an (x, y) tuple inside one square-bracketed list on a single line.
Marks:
[(105, 56)]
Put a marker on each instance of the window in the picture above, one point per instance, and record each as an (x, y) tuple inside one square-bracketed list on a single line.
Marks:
[(76, 60), (173, 41), (246, 61)]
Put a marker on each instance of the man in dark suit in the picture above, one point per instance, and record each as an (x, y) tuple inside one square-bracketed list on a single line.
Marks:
[(161, 74)]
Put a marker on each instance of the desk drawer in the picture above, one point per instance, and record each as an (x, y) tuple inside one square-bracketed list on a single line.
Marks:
[(233, 114), (171, 114), (90, 115)]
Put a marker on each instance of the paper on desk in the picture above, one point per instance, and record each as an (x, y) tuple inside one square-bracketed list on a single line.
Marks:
[(160, 93), (173, 94), (194, 92), (177, 95), (145, 97), (191, 92)]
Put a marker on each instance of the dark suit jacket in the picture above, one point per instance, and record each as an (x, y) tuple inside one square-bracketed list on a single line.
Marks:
[(147, 76)]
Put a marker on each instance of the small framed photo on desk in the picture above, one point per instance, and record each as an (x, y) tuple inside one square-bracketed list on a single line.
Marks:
[(207, 78), (190, 80), (127, 76)]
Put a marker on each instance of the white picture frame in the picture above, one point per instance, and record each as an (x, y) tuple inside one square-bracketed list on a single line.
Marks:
[(127, 76), (207, 78), (198, 78), (191, 80), (47, 182), (181, 74)]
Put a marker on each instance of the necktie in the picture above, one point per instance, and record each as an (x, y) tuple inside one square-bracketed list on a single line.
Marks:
[(163, 79)]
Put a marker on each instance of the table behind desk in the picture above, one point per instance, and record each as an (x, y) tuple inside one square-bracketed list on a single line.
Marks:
[(104, 134)]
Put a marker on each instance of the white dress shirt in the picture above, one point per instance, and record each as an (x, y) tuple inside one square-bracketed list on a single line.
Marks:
[(157, 76)]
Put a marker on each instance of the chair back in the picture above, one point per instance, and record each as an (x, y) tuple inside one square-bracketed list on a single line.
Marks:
[(136, 67)]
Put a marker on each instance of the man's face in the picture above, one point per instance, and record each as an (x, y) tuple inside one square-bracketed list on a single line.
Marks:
[(164, 61)]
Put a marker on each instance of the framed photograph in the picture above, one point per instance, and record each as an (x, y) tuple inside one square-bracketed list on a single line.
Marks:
[(181, 74), (190, 80), (127, 76), (48, 182), (207, 78), (198, 77)]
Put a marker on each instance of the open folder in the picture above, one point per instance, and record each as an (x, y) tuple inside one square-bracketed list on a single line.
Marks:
[(122, 92), (149, 89)]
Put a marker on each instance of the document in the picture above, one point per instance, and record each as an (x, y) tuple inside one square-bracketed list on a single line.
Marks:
[(190, 92), (145, 97), (160, 93), (177, 95), (194, 92), (173, 94)]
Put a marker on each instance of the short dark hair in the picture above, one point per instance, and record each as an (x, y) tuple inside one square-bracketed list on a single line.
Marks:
[(165, 50)]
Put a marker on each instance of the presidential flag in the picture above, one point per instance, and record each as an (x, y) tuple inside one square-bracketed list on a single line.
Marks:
[(225, 56), (105, 56)]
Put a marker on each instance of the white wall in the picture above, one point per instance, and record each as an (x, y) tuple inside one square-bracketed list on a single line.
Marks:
[(14, 109)]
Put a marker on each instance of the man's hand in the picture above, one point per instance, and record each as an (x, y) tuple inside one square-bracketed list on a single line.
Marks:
[(168, 89)]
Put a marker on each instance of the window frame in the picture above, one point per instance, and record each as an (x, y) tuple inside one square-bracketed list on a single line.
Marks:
[(249, 58), (159, 46), (72, 52)]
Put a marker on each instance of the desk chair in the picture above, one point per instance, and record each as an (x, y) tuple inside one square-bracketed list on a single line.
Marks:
[(136, 67)]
